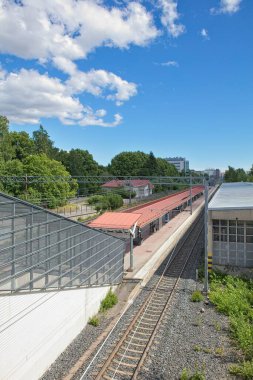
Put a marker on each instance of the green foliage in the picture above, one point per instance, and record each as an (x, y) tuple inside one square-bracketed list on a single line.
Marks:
[(95, 199), (197, 296), (244, 370), (80, 162), (126, 194), (140, 164), (185, 374), (6, 150), (42, 142), (109, 301), (197, 348), (233, 296), (235, 175), (108, 201), (127, 163), (197, 375), (22, 145), (94, 321)]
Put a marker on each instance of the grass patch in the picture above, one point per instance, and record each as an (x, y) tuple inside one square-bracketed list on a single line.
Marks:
[(217, 326), (244, 369), (233, 297), (197, 375), (197, 348), (219, 351), (94, 321), (109, 301), (197, 296)]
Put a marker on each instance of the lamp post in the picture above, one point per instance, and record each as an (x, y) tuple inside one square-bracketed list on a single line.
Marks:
[(206, 236)]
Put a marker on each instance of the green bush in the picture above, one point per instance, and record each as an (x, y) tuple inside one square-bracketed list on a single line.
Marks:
[(109, 301), (245, 370), (194, 376), (184, 375), (108, 201), (233, 297), (197, 296), (94, 321)]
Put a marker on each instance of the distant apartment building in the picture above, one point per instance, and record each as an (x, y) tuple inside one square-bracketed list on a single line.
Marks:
[(215, 173), (180, 163)]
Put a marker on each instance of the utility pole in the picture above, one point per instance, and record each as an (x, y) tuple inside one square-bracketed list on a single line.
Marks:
[(206, 237), (191, 192), (132, 235)]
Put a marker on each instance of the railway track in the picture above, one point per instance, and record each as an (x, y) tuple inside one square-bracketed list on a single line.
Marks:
[(127, 357)]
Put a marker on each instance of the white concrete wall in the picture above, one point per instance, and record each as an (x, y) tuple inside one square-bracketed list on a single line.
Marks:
[(36, 328)]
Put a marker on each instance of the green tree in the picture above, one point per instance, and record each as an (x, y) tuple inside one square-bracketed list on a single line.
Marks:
[(43, 143), (52, 193), (6, 151), (165, 169), (22, 145), (81, 163), (128, 163), (9, 169), (230, 175), (235, 175), (150, 167), (241, 175)]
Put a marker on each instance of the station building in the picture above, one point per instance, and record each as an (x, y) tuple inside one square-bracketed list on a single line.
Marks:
[(230, 226)]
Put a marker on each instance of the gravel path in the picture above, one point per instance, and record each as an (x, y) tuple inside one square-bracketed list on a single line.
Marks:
[(190, 339)]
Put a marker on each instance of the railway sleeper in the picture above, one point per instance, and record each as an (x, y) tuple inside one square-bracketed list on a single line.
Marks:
[(135, 344), (139, 352), (129, 357), (124, 364), (115, 371)]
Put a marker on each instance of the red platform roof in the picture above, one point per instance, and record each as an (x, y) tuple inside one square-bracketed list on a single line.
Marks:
[(144, 214), (115, 221)]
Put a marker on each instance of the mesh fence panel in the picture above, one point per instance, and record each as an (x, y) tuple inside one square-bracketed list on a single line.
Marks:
[(41, 250)]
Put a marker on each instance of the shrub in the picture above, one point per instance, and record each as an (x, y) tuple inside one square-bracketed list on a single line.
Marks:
[(197, 296), (94, 321), (245, 370), (109, 301), (184, 375), (232, 296)]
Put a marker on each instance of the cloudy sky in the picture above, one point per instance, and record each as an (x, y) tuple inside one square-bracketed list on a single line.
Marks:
[(174, 77)]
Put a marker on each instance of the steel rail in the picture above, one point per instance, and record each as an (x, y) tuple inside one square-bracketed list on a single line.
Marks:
[(175, 254)]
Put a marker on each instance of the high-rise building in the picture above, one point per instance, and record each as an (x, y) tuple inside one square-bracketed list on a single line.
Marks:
[(180, 163)]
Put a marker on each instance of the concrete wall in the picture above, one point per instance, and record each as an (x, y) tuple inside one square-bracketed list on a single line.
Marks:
[(36, 328)]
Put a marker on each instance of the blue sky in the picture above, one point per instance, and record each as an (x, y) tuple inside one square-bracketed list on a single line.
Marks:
[(172, 77)]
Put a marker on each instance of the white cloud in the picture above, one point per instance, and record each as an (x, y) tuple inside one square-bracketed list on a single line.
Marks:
[(99, 82), (204, 33), (44, 29), (170, 63), (27, 96), (170, 17), (94, 119), (227, 6)]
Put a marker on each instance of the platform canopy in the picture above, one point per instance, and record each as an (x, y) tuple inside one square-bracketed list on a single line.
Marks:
[(115, 221)]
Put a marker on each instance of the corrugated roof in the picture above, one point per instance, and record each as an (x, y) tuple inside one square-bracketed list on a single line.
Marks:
[(154, 210), (230, 196), (115, 221), (143, 214), (133, 182)]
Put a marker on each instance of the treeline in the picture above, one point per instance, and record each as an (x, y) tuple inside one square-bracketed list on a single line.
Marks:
[(36, 155), (238, 175)]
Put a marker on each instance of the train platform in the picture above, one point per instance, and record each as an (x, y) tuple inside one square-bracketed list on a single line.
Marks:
[(153, 250)]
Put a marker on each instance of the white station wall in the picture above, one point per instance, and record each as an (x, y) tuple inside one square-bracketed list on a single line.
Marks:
[(36, 328)]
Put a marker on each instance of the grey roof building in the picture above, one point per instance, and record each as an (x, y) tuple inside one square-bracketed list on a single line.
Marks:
[(230, 225)]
